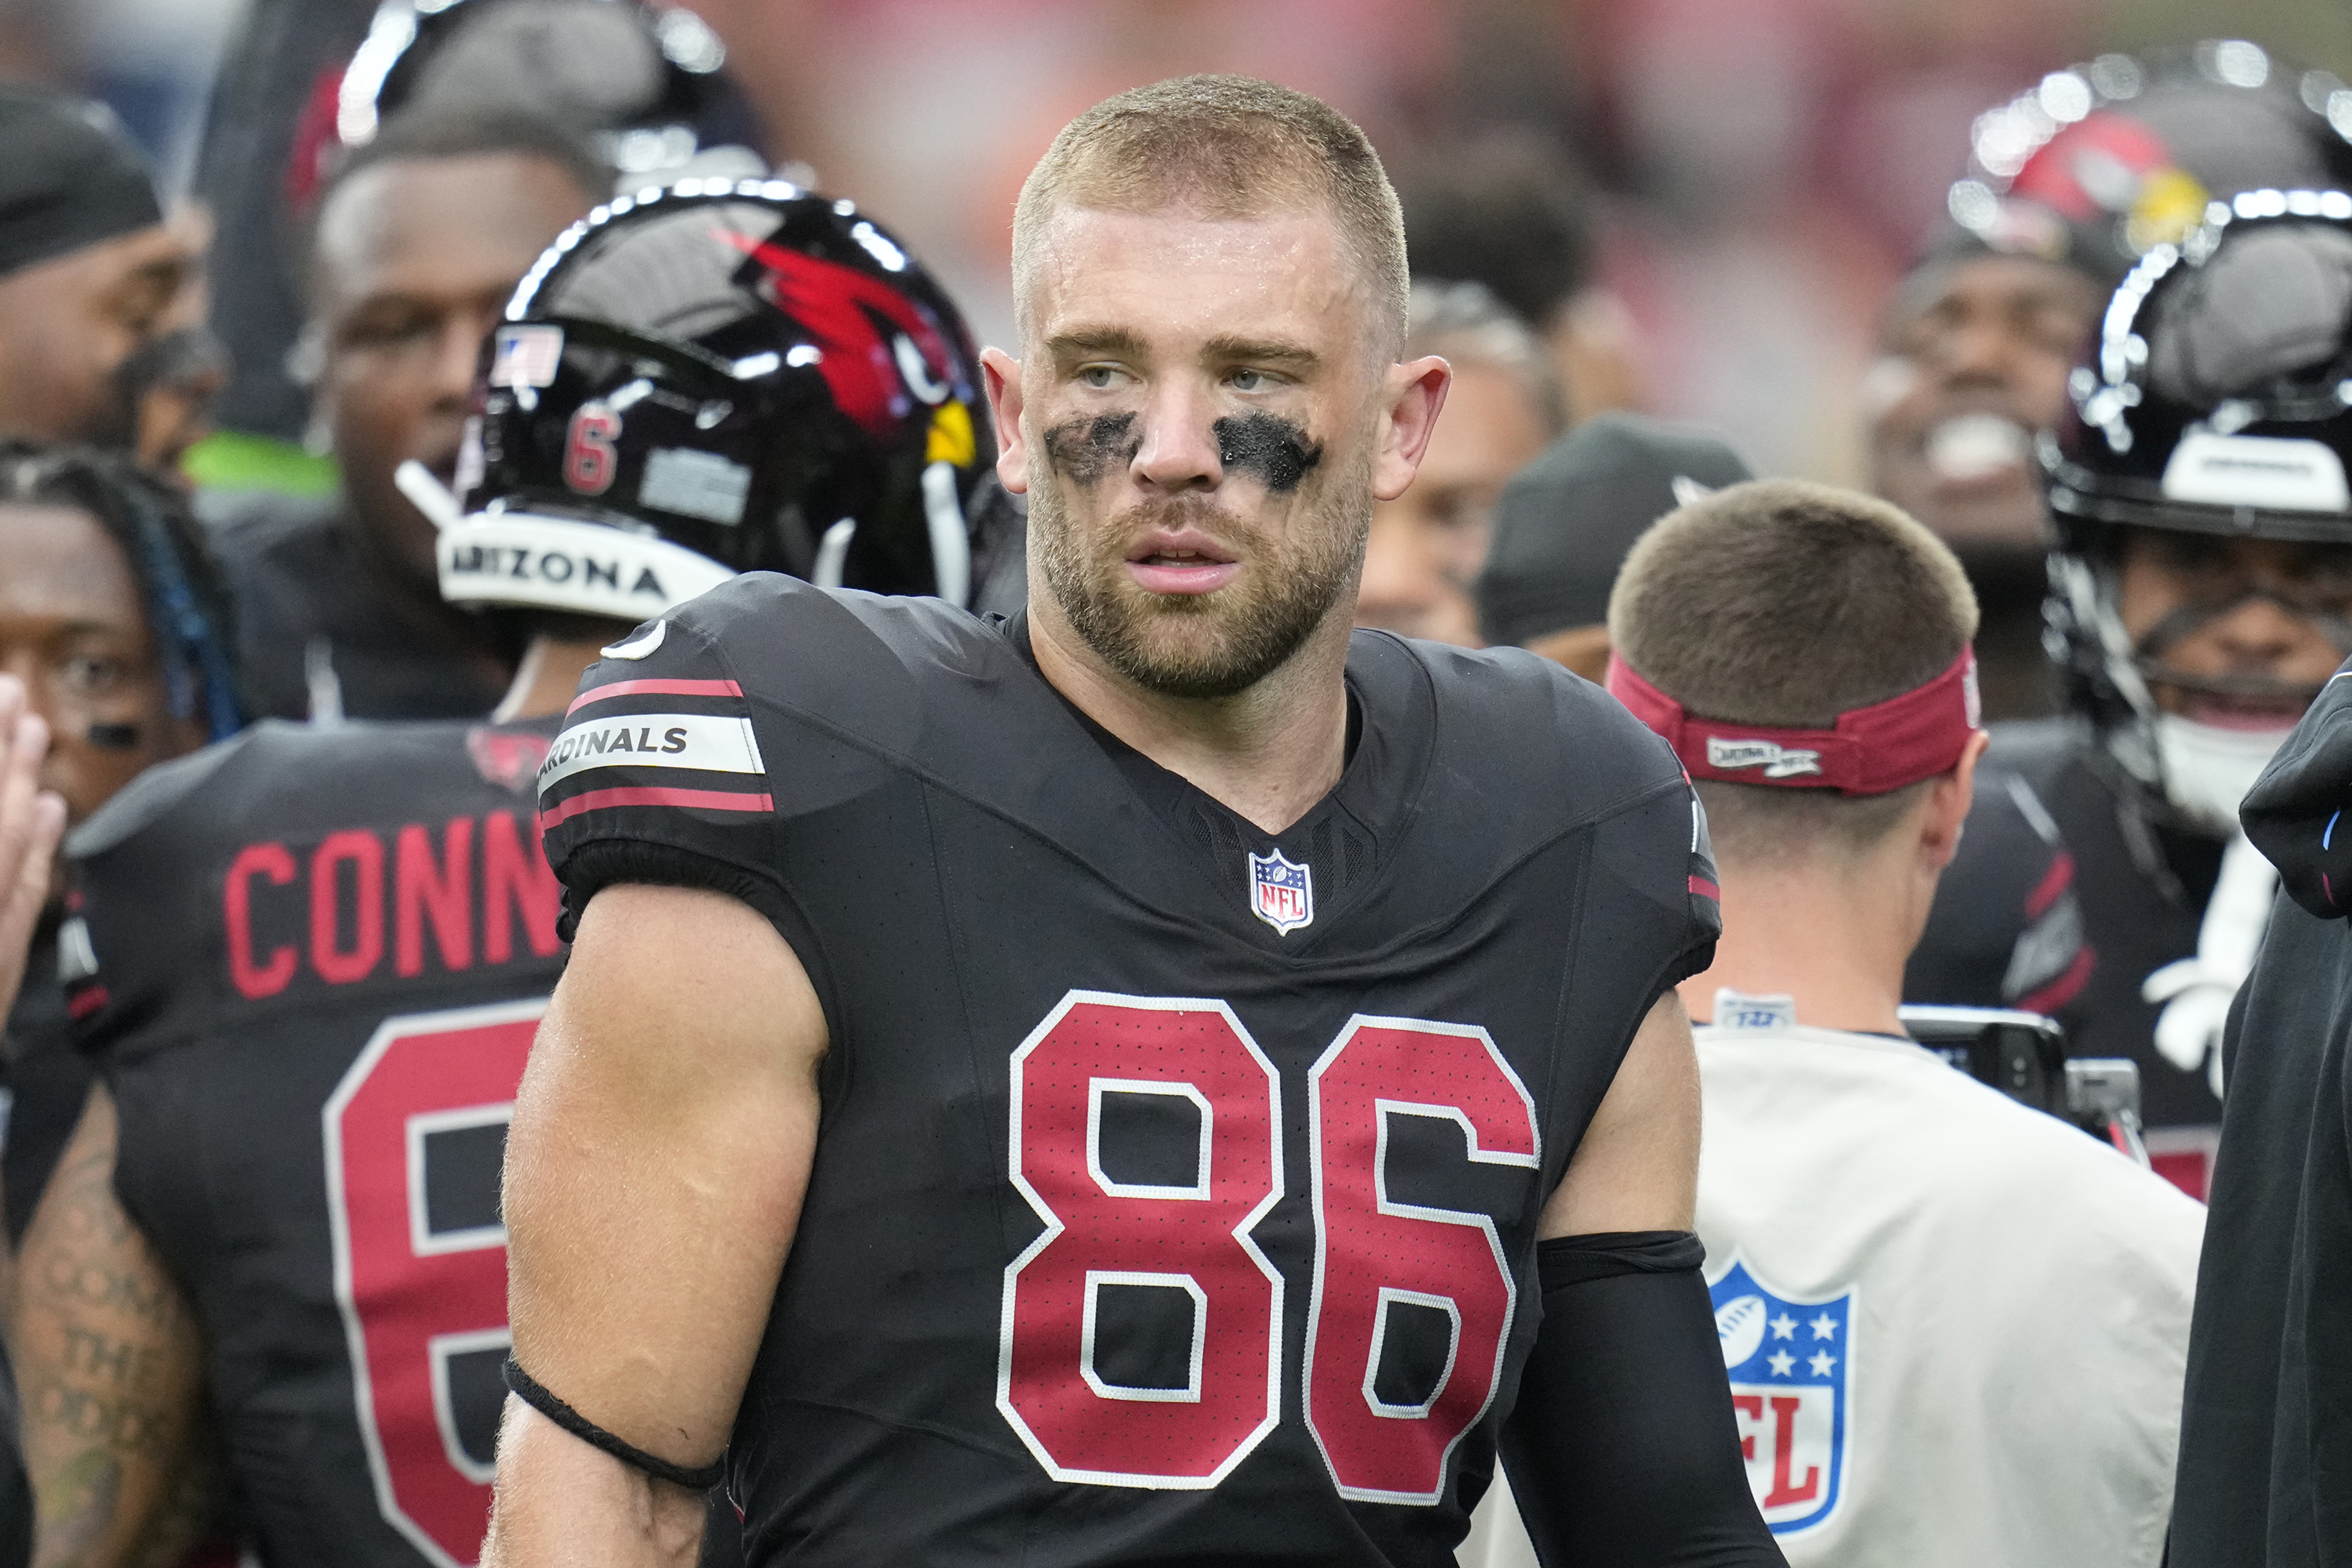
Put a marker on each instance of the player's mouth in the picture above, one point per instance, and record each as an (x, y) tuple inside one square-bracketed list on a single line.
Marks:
[(1978, 450), (2253, 715), (1183, 562), (2254, 701)]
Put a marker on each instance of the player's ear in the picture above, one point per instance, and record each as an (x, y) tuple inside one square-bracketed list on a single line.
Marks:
[(1002, 371), (1948, 798), (1411, 395)]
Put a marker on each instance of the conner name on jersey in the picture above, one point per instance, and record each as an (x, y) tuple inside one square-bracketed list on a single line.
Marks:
[(362, 903), (655, 743)]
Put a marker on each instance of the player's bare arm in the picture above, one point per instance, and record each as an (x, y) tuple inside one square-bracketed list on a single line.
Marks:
[(661, 1142), (1628, 1339), (1636, 1167), (109, 1363)]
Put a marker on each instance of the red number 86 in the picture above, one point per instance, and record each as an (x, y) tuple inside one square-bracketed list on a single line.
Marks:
[(1372, 1254)]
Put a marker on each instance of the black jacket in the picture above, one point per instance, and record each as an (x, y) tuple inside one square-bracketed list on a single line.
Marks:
[(2266, 1435)]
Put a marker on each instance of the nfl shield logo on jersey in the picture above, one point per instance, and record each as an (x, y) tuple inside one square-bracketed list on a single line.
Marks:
[(1282, 892), (1790, 1360)]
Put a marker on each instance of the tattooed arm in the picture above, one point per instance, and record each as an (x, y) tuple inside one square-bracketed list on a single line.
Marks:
[(190, 1515), (109, 1365)]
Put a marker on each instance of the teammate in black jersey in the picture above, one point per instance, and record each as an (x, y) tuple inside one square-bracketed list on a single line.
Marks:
[(2195, 612), (122, 631), (312, 960), (1089, 1089)]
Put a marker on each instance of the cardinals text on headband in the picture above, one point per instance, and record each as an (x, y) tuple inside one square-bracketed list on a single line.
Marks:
[(1870, 751)]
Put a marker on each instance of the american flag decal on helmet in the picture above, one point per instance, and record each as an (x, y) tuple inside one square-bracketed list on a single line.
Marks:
[(655, 743)]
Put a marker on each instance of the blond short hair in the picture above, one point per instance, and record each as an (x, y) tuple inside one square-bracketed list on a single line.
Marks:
[(1226, 147), (1783, 603)]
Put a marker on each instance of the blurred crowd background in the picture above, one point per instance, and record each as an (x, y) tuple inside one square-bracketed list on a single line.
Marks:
[(1761, 170)]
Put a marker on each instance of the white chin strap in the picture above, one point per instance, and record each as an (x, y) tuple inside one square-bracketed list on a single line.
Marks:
[(2207, 773), (2196, 992), (583, 568), (2208, 770)]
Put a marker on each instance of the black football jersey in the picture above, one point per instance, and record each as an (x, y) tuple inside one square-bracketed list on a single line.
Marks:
[(1176, 1189), (47, 1080), (316, 959), (2112, 897)]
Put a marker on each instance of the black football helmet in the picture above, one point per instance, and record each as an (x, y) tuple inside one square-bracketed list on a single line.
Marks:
[(2215, 399), (716, 377), (646, 77), (2099, 163)]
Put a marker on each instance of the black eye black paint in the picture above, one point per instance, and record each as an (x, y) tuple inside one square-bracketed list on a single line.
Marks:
[(1086, 449), (1272, 450), (114, 736)]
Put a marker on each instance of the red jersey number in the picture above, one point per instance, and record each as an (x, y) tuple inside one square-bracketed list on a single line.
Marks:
[(1373, 1254), (1103, 1233), (590, 460), (413, 1136)]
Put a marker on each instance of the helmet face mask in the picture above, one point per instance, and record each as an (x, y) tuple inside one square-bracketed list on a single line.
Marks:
[(740, 372), (2215, 403)]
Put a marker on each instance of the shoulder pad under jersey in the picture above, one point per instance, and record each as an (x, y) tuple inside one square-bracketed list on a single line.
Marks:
[(765, 698), (1529, 729), (1555, 753), (156, 793)]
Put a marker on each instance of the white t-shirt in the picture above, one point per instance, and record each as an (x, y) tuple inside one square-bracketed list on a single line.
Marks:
[(1955, 1326)]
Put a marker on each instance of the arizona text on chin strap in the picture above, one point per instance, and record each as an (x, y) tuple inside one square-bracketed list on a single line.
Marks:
[(1870, 751)]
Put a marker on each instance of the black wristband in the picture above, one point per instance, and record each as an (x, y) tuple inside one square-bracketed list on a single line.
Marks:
[(1569, 1260), (528, 1389)]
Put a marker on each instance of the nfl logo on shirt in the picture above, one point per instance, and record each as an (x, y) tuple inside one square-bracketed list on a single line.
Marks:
[(1791, 1361), (1282, 892)]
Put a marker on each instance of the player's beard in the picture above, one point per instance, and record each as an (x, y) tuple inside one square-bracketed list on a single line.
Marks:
[(1203, 645)]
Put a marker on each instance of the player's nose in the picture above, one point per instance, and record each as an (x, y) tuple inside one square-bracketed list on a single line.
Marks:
[(2258, 633), (1980, 351), (1178, 449)]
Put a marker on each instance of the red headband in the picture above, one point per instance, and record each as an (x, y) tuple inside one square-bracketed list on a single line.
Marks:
[(1873, 750)]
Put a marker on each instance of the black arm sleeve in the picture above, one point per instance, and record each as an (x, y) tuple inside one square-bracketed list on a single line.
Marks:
[(1621, 1448)]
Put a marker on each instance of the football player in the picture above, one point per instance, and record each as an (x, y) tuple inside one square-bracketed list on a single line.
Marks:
[(648, 79), (1153, 1080), (311, 960), (1955, 1324), (2070, 185), (415, 247), (2265, 1476), (2200, 593), (111, 617)]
